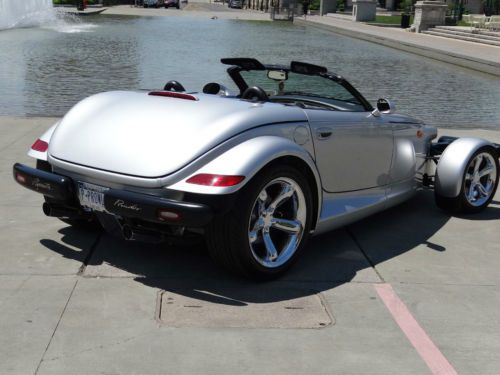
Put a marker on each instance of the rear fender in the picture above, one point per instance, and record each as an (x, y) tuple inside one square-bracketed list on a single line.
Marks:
[(247, 159), (46, 138), (452, 164)]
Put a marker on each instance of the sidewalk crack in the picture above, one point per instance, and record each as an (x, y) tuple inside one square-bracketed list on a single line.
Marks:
[(86, 261), (358, 244), (55, 329)]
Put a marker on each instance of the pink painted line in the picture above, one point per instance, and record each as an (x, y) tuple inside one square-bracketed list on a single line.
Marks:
[(427, 350)]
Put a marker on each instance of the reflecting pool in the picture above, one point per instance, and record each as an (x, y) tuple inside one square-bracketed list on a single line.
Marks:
[(45, 71)]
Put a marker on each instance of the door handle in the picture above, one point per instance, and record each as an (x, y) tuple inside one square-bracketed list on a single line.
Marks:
[(323, 133)]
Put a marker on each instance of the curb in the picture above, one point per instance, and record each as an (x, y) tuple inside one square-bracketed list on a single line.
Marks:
[(436, 54)]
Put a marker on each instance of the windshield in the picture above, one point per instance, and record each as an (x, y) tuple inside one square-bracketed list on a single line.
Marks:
[(304, 89)]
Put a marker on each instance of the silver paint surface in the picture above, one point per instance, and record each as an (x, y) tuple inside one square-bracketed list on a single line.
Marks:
[(361, 163), (451, 167)]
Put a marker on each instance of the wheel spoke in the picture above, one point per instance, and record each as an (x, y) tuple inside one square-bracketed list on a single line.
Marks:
[(253, 235), (478, 161), (263, 195), (471, 192), (275, 236), (480, 179), (272, 254), (288, 226), (285, 193), (482, 190), (262, 201), (486, 171)]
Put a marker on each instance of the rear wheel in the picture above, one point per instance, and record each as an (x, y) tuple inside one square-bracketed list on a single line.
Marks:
[(479, 184), (262, 236)]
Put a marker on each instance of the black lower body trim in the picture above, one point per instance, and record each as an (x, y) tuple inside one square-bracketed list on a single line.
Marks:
[(148, 207), (49, 184), (127, 204)]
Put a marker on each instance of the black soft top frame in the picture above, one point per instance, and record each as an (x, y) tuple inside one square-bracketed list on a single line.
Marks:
[(239, 64)]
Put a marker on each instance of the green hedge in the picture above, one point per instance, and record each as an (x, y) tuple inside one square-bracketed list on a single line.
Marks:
[(315, 4)]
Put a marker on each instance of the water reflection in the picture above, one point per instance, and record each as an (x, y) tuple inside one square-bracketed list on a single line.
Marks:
[(44, 72), (78, 65)]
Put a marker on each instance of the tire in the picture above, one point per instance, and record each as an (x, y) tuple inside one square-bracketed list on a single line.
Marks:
[(239, 240), (477, 191), (83, 223)]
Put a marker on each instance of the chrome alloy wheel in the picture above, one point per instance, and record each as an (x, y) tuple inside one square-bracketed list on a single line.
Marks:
[(277, 222), (480, 179)]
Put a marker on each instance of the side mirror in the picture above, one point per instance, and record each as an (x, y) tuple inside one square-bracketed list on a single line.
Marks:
[(386, 106)]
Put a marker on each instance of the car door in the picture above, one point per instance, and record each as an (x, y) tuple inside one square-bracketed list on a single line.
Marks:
[(353, 149)]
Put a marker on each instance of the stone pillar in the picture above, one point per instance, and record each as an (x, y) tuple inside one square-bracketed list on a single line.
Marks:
[(364, 10), (428, 14), (327, 6), (389, 4)]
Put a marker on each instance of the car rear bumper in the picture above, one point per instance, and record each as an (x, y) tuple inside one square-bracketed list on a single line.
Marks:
[(124, 203)]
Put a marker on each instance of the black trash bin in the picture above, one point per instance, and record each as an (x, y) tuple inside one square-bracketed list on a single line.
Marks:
[(405, 21)]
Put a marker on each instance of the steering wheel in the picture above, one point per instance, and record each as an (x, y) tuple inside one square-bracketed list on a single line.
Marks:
[(174, 86), (255, 93)]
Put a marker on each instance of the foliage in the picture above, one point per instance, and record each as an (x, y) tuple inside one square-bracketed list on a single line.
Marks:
[(315, 4), (72, 2), (406, 6), (491, 6), (341, 5), (390, 20)]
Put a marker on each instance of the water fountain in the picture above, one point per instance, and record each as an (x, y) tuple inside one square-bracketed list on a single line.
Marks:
[(26, 13)]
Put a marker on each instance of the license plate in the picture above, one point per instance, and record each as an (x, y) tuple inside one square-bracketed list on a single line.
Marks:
[(91, 196)]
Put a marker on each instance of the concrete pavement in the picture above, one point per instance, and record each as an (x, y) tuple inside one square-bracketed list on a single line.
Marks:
[(480, 57), (80, 302)]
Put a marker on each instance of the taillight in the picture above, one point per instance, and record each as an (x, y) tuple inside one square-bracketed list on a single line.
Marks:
[(215, 180), (20, 178), (40, 146), (173, 94)]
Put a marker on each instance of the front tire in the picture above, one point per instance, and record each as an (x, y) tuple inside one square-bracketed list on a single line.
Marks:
[(262, 236), (479, 184)]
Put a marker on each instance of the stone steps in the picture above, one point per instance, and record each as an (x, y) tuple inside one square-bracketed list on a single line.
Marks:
[(463, 29), (485, 37)]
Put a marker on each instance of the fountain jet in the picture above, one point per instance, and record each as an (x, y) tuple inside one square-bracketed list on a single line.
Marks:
[(26, 13)]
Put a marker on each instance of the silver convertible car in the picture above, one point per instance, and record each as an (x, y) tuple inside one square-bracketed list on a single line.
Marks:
[(295, 151)]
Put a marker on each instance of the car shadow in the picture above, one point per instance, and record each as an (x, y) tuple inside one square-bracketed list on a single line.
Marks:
[(329, 260)]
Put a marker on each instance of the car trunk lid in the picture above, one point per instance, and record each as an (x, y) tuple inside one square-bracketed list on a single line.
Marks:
[(150, 136)]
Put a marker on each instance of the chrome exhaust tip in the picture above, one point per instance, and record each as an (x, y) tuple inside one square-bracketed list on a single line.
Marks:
[(127, 232), (61, 212), (130, 234)]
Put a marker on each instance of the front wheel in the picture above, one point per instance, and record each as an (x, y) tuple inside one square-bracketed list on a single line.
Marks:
[(262, 236), (479, 184)]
